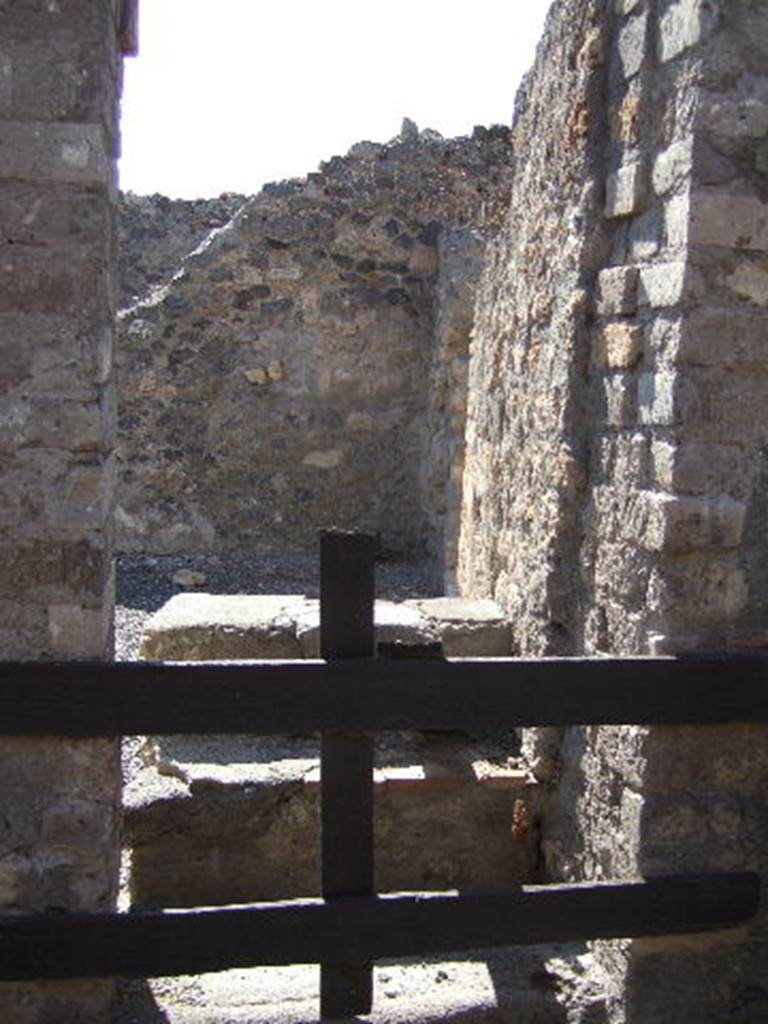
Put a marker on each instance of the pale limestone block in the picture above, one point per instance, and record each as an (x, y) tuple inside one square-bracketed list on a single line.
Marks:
[(677, 215), (620, 397), (631, 45), (619, 346), (662, 284), (685, 23), (672, 167), (732, 221), (617, 291), (750, 281), (328, 459), (656, 399), (257, 375), (200, 627), (65, 152), (626, 190)]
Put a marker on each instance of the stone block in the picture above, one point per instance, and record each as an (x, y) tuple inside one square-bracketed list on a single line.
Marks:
[(620, 399), (672, 167), (618, 346), (55, 572), (722, 405), (58, 423), (701, 468), (617, 291), (467, 627), (749, 280), (200, 627), (626, 190), (680, 524), (632, 44), (697, 589), (68, 80), (645, 235), (67, 152), (78, 632), (54, 353), (61, 281), (727, 220), (656, 394), (36, 213), (663, 284), (677, 216)]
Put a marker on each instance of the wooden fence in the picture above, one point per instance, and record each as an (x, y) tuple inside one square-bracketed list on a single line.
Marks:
[(347, 696)]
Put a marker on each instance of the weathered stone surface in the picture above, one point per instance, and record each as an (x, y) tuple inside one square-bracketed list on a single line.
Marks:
[(303, 331), (468, 628), (200, 627), (241, 820)]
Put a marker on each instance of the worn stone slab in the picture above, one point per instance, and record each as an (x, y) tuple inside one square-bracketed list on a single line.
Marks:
[(468, 627), (200, 627)]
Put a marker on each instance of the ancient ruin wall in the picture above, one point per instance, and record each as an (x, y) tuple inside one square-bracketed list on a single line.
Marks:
[(616, 444), (60, 69), (279, 382)]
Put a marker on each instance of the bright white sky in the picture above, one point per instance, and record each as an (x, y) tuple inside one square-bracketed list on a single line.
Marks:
[(226, 95)]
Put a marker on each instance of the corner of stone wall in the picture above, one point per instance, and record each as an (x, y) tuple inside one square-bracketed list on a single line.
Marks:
[(670, 479), (60, 78)]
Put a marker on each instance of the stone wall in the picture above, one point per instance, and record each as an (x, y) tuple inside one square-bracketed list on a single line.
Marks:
[(615, 467), (60, 70), (279, 381)]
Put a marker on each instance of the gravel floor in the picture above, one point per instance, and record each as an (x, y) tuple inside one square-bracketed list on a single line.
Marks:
[(145, 583)]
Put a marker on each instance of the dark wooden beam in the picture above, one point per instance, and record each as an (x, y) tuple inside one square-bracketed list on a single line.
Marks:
[(104, 699), (149, 944), (347, 592)]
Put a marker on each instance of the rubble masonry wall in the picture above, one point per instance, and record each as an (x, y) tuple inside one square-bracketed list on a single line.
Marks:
[(616, 445)]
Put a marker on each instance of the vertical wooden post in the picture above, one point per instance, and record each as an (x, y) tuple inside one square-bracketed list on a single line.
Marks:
[(346, 760)]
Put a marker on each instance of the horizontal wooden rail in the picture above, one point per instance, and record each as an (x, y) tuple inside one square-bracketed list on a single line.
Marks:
[(112, 699), (151, 944)]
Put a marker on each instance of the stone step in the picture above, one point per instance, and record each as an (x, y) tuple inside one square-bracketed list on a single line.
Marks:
[(212, 820), (198, 627)]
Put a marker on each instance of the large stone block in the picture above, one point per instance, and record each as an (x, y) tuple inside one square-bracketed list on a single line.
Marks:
[(68, 80), (732, 221), (617, 291), (62, 280), (626, 190), (200, 627), (42, 152)]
